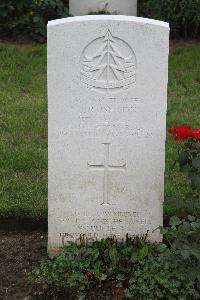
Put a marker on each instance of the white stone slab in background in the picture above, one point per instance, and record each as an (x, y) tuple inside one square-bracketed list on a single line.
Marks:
[(107, 93), (117, 7)]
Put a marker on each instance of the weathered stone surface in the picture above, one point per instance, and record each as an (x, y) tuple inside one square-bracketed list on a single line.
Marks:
[(107, 93), (117, 7)]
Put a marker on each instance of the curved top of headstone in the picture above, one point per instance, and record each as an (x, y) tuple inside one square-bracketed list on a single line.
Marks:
[(109, 18)]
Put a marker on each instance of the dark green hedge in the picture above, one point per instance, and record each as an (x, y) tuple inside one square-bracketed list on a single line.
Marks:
[(28, 18), (183, 15)]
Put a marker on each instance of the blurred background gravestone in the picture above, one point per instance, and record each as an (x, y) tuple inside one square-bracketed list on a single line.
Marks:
[(116, 7)]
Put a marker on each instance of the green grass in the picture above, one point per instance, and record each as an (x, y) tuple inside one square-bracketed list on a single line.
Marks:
[(23, 131), (183, 109), (23, 125)]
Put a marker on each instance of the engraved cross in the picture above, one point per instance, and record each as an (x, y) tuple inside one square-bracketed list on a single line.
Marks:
[(106, 167)]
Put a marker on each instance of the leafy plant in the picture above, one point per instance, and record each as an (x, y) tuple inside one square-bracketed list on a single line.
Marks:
[(29, 18), (134, 269), (103, 264), (183, 15), (189, 162)]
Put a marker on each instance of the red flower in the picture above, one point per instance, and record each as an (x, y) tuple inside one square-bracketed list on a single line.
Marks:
[(183, 132), (195, 133), (117, 291), (180, 132)]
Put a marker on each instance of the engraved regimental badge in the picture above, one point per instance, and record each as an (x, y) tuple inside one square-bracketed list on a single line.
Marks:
[(108, 64)]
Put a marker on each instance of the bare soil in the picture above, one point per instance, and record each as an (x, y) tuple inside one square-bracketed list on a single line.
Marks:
[(20, 252)]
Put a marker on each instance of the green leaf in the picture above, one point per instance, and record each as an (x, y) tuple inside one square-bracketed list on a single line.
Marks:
[(121, 277), (185, 253), (113, 254), (174, 221), (191, 218), (161, 248), (185, 168), (196, 253), (97, 266), (143, 252), (195, 181), (183, 158), (95, 254), (134, 256), (81, 297), (184, 227), (53, 3), (195, 225), (103, 277), (168, 200), (179, 203), (36, 19), (163, 230), (196, 162)]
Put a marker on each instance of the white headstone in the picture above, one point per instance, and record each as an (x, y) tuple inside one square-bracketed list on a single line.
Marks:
[(107, 93), (116, 7)]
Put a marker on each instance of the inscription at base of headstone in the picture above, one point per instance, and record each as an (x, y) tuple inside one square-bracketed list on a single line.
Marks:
[(107, 95), (115, 7)]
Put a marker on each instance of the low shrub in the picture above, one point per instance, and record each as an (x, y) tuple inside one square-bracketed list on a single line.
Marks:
[(189, 163), (182, 15), (134, 269), (29, 18)]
